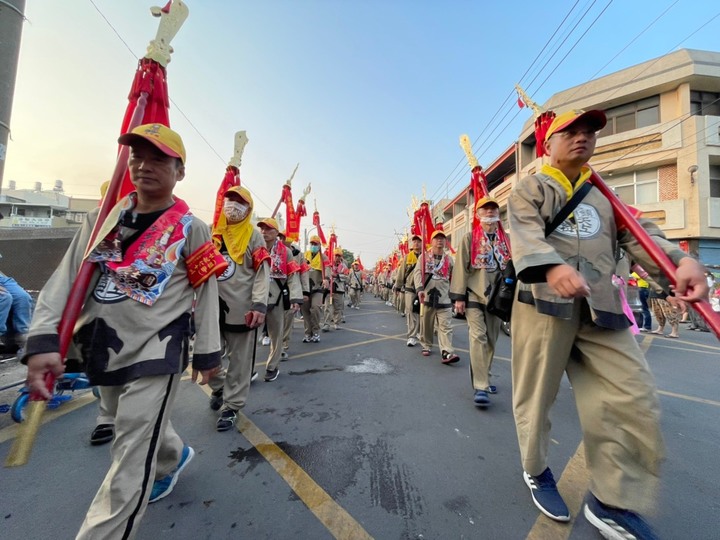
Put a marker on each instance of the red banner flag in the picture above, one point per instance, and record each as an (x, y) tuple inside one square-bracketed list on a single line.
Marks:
[(231, 179), (292, 219), (423, 224), (316, 222), (150, 80)]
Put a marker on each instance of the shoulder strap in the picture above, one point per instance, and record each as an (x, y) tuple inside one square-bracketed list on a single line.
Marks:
[(566, 210)]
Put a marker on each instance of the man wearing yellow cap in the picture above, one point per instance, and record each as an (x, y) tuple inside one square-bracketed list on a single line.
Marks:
[(285, 292), (568, 319), (318, 281), (338, 282), (304, 270), (481, 257), (154, 262), (405, 285), (243, 290), (355, 285), (432, 283)]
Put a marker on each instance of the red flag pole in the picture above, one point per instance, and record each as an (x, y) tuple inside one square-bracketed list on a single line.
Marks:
[(22, 446), (626, 219)]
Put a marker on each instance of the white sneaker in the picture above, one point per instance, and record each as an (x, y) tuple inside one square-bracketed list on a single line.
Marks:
[(412, 342), (266, 340)]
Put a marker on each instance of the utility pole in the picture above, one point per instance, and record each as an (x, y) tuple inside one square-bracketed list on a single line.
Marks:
[(12, 16)]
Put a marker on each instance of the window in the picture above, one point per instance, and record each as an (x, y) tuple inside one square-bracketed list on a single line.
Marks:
[(637, 114), (715, 180), (639, 187), (704, 103)]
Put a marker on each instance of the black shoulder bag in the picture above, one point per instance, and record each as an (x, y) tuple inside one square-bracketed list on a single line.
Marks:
[(501, 295)]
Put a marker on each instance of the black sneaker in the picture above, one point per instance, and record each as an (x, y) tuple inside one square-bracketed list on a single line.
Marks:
[(614, 523), (227, 420), (449, 358), (103, 433), (271, 374), (216, 400), (546, 495)]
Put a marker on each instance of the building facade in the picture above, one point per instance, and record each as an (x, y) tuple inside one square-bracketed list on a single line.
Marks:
[(660, 150)]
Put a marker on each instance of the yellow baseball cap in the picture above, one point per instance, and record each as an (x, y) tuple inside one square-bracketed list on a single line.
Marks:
[(270, 223), (595, 118), (161, 136), (338, 251), (315, 239), (484, 201), (244, 194), (438, 233)]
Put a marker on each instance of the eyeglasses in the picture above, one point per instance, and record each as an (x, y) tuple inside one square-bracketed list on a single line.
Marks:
[(572, 133)]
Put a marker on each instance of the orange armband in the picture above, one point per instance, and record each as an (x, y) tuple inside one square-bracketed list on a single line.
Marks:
[(204, 262)]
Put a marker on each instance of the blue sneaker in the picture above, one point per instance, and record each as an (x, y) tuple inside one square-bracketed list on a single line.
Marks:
[(163, 487), (492, 389), (614, 523), (481, 398), (546, 495)]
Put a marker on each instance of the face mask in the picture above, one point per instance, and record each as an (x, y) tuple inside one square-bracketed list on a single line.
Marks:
[(489, 219), (314, 249), (235, 211)]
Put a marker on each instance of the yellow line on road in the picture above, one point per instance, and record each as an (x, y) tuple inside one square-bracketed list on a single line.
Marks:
[(689, 398), (75, 403), (573, 485), (333, 516), (340, 347)]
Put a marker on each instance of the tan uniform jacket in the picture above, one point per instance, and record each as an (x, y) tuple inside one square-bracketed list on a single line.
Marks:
[(291, 282), (437, 290), (587, 242), (471, 285), (121, 339), (242, 288), (404, 281)]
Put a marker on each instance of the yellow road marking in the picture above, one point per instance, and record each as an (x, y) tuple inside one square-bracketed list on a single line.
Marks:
[(10, 432), (340, 347), (689, 398), (333, 516), (573, 485)]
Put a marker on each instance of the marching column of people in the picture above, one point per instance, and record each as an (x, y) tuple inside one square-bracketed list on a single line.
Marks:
[(158, 264)]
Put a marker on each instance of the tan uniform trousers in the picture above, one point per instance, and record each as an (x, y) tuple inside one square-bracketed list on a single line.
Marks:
[(235, 379), (355, 296), (334, 309), (615, 395), (444, 330), (288, 320), (483, 330), (412, 318), (312, 312), (143, 435), (400, 302), (275, 320)]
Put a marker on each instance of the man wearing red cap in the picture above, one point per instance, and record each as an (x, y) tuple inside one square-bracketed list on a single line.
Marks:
[(568, 319), (405, 285), (285, 292), (481, 258), (155, 261), (432, 283)]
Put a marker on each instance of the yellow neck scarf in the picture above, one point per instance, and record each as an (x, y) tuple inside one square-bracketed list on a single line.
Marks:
[(411, 258), (236, 236), (561, 179), (316, 262)]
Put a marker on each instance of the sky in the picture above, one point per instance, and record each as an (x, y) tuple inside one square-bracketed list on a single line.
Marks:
[(368, 96)]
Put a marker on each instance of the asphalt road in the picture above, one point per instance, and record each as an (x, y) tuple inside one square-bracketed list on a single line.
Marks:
[(362, 437)]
